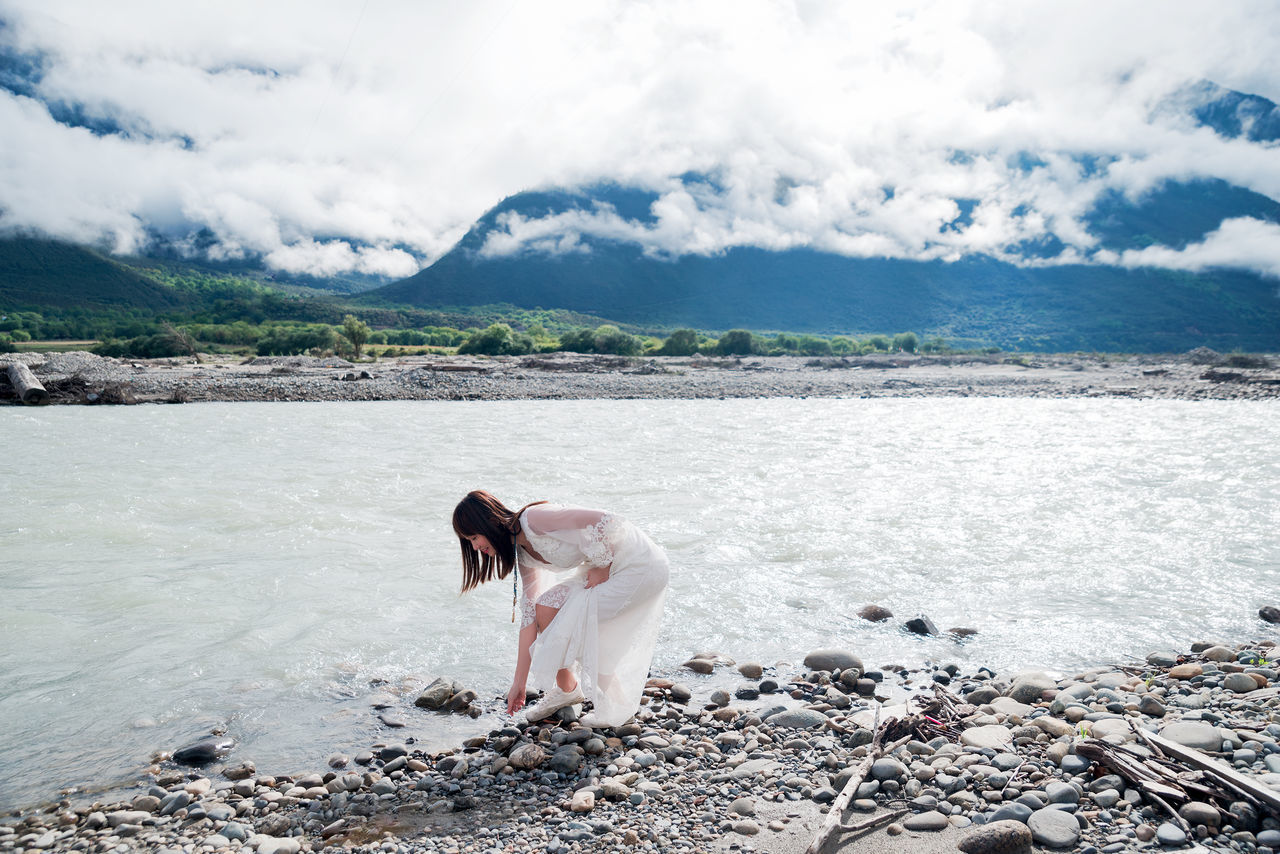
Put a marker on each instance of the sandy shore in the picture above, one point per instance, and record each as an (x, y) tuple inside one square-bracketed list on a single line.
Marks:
[(86, 379)]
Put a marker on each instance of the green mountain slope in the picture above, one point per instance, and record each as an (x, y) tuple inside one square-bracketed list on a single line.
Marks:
[(37, 273)]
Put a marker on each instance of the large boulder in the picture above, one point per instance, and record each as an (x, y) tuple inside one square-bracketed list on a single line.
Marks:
[(1027, 687), (832, 659)]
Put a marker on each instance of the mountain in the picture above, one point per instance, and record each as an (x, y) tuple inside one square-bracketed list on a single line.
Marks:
[(1035, 304), (977, 299), (35, 273)]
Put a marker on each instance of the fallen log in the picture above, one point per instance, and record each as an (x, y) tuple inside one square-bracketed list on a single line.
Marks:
[(29, 389)]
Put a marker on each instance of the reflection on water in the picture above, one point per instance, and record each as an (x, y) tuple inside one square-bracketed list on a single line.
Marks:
[(269, 567)]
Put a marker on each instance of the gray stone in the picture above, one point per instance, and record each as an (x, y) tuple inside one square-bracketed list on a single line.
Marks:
[(1269, 838), (921, 625), (888, 769), (435, 695), (1269, 613), (997, 837), (981, 694), (1240, 683), (1107, 798), (798, 719), (755, 767), (1054, 828), (746, 827), (927, 821), (1151, 706), (1170, 834), (203, 752), (1061, 793), (743, 806), (1013, 812), (527, 756), (1162, 659), (720, 697), (1198, 812), (1197, 734), (832, 659), (1072, 764), (566, 760), (700, 665), (173, 802), (751, 669), (1027, 687), (992, 735), (875, 613)]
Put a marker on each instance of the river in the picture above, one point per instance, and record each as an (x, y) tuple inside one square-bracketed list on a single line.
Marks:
[(268, 568)]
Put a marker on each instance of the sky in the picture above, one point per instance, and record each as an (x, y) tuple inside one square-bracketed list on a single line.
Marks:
[(367, 136)]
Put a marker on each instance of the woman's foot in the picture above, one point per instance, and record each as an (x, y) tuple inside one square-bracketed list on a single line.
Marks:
[(552, 702)]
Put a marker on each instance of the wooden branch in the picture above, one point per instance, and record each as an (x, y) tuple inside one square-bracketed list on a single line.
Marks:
[(873, 822), (832, 822), (29, 389)]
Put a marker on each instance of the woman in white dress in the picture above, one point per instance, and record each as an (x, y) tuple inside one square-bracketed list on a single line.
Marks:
[(588, 632)]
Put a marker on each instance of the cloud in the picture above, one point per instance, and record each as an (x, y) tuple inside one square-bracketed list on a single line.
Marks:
[(330, 136), (1242, 243)]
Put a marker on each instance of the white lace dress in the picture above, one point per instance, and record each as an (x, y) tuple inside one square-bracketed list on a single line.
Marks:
[(605, 634)]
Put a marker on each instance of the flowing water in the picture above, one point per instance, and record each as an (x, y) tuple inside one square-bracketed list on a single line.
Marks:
[(268, 568)]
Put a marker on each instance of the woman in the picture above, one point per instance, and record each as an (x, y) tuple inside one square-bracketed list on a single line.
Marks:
[(588, 634)]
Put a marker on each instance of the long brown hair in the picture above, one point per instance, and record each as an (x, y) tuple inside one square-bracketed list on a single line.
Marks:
[(481, 513)]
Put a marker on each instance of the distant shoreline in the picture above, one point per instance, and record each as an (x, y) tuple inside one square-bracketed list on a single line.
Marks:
[(83, 378)]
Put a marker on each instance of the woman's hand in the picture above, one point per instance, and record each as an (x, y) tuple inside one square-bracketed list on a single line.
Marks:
[(515, 698), (596, 575)]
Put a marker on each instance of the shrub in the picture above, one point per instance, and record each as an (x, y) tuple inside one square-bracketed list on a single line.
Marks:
[(879, 343), (842, 346), (6, 344), (682, 342), (613, 341), (159, 346), (296, 340), (907, 342), (812, 345), (737, 342), (580, 340), (497, 339)]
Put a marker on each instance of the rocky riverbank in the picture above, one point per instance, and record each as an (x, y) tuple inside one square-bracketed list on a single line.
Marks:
[(82, 378), (943, 759)]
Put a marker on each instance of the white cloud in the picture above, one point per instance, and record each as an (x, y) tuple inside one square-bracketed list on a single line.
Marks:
[(1241, 243), (329, 136)]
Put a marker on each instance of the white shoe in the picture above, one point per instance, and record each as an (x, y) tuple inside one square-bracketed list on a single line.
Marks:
[(591, 721), (553, 701)]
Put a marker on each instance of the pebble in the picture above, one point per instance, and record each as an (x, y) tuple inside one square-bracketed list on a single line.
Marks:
[(678, 777), (1170, 834), (997, 837), (1054, 828), (926, 821)]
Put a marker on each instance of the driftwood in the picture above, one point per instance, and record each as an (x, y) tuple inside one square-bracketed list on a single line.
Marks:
[(841, 803), (29, 389), (1222, 774), (1179, 774)]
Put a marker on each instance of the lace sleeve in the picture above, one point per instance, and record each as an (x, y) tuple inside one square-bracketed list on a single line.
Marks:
[(574, 534), (598, 543), (531, 589)]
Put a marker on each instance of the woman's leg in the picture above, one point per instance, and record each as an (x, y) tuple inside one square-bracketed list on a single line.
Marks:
[(543, 615)]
